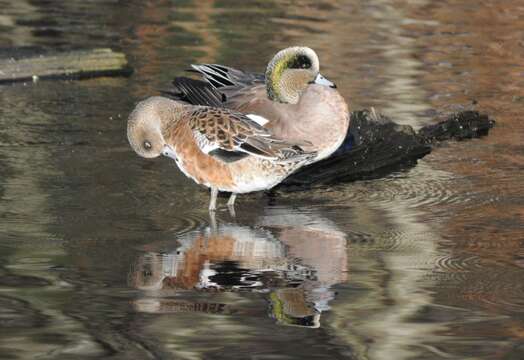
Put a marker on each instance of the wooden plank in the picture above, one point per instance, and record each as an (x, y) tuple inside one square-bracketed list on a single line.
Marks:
[(70, 65)]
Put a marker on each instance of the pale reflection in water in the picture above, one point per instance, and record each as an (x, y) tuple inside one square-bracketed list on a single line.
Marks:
[(293, 259), (369, 280), (387, 310)]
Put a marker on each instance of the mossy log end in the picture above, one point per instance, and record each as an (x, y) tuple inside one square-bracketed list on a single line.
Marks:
[(63, 65), (376, 146)]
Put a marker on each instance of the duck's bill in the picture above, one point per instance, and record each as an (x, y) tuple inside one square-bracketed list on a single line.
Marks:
[(321, 80), (169, 152)]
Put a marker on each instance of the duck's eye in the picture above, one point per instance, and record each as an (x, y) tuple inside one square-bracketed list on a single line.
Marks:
[(147, 145), (300, 62)]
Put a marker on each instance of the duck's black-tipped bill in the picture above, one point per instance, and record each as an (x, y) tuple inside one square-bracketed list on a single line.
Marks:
[(169, 152), (321, 80)]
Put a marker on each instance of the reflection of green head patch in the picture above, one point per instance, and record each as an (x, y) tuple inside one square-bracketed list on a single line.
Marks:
[(277, 310)]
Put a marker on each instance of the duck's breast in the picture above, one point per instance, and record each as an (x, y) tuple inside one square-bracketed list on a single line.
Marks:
[(197, 165), (324, 118), (321, 118)]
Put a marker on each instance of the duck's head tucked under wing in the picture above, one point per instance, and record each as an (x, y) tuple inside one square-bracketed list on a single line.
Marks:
[(289, 73), (147, 123)]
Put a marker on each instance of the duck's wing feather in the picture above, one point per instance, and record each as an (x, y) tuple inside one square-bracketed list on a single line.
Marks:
[(222, 87), (251, 99), (220, 76), (195, 92), (219, 130), (238, 88)]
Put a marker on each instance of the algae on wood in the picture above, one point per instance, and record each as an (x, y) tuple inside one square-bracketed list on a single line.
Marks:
[(72, 64)]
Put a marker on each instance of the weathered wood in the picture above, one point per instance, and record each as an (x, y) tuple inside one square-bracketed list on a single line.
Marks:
[(71, 65)]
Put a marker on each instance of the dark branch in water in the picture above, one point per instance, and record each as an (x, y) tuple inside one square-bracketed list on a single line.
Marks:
[(459, 126), (376, 146)]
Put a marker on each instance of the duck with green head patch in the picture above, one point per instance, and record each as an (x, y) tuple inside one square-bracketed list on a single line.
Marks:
[(290, 72), (292, 98)]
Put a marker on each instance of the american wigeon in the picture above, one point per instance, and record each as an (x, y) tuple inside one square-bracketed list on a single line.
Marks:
[(296, 101), (216, 147)]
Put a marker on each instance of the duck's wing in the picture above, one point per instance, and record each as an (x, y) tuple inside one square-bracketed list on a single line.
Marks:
[(228, 88), (219, 131), (250, 99), (220, 76), (195, 92), (240, 90), (222, 86)]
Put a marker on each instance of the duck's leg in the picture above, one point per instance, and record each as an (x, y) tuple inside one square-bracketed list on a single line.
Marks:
[(212, 223), (213, 201), (231, 205), (231, 201)]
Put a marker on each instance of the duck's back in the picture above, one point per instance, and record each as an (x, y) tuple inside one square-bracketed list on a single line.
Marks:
[(319, 122)]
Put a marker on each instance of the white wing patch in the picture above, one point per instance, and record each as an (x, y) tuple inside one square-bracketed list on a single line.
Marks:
[(203, 143), (260, 120)]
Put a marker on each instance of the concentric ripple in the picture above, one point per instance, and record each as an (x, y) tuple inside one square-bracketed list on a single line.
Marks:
[(455, 263), (184, 223)]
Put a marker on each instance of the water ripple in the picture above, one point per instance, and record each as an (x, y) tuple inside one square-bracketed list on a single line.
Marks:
[(454, 263), (187, 222)]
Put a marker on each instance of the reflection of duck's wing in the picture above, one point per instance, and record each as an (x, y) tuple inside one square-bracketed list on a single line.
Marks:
[(254, 247), (240, 258), (253, 252), (230, 257), (284, 216)]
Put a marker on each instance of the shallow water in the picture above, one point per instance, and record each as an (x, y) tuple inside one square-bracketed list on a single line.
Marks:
[(105, 254)]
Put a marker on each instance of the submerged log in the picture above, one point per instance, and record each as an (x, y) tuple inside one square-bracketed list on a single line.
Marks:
[(376, 146), (30, 64)]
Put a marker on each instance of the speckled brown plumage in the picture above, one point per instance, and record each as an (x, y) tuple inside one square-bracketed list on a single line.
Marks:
[(296, 107), (233, 131), (202, 141)]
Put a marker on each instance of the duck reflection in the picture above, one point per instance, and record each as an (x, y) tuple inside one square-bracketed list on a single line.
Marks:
[(292, 259)]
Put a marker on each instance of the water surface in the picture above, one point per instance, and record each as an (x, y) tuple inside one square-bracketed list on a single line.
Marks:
[(105, 254)]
